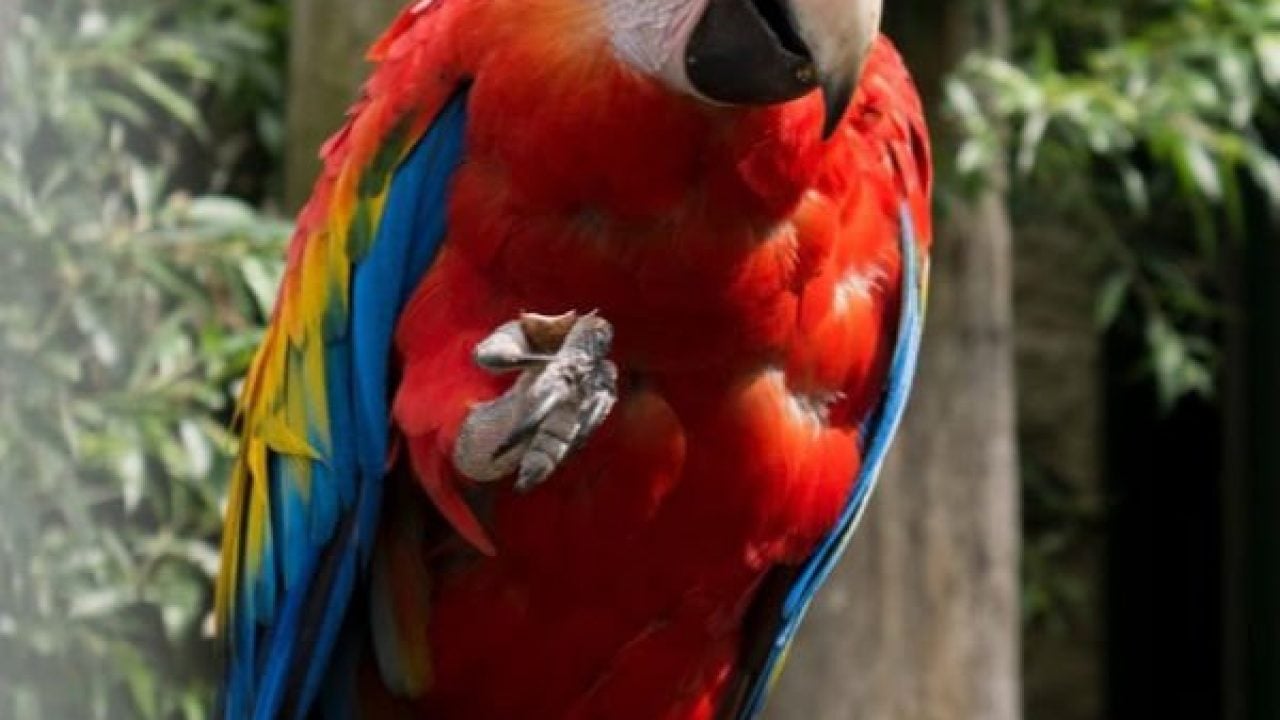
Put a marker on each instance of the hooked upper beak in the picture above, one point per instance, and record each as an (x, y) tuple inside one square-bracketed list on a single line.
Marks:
[(760, 52), (839, 34)]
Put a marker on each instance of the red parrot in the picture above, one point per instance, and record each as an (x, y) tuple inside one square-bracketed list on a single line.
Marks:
[(590, 344)]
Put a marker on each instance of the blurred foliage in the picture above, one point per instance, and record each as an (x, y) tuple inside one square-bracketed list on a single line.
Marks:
[(1146, 112), (128, 306), (1141, 123)]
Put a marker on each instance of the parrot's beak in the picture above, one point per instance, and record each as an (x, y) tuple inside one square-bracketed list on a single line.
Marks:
[(760, 52), (839, 34)]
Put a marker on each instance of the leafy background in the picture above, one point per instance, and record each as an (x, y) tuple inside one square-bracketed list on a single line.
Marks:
[(140, 238), (136, 272)]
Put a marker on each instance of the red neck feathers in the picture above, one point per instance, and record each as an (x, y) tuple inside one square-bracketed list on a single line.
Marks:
[(573, 128)]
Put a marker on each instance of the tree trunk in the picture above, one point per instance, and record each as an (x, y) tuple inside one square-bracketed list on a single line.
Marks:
[(922, 621), (328, 39)]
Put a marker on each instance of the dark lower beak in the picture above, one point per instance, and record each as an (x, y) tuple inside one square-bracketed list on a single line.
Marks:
[(837, 93), (750, 52), (747, 52)]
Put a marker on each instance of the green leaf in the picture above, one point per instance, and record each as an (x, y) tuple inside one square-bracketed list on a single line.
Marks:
[(1267, 47), (1198, 168), (175, 103), (227, 214), (1111, 299), (1265, 170)]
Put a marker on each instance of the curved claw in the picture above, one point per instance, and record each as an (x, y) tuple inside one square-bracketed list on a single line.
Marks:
[(563, 395), (507, 349), (525, 430), (594, 416)]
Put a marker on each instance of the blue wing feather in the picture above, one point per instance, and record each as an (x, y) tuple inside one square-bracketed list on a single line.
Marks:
[(878, 433), (408, 237), (319, 541)]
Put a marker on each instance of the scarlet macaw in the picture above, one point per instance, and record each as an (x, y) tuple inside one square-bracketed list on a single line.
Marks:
[(660, 262)]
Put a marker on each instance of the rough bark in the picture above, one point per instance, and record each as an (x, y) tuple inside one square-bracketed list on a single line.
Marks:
[(328, 39), (922, 621)]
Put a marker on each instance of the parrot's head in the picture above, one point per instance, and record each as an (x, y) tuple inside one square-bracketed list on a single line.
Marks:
[(749, 52)]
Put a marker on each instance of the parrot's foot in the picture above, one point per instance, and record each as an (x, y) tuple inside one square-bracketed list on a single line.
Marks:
[(566, 388)]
